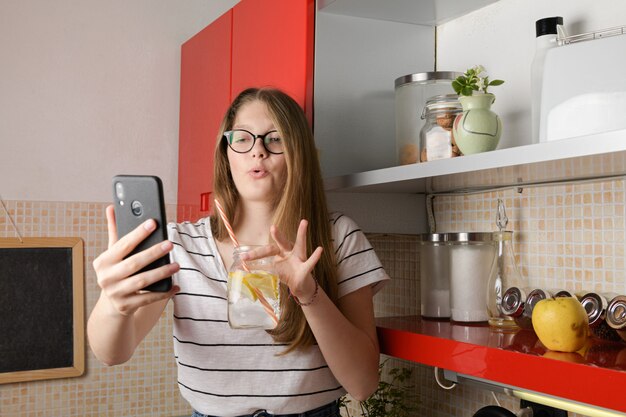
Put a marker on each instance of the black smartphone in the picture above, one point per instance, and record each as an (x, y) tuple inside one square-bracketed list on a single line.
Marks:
[(139, 198)]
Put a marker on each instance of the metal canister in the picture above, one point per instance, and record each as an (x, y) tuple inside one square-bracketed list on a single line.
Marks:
[(616, 315), (595, 304), (561, 293), (533, 298), (513, 303)]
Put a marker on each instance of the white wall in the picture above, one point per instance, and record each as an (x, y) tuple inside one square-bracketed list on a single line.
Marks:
[(89, 89), (356, 62), (502, 38)]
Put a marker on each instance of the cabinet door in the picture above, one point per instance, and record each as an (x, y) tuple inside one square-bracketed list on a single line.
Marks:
[(273, 46), (204, 97)]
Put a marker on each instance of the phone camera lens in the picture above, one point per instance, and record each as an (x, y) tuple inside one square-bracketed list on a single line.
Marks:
[(137, 208), (119, 190)]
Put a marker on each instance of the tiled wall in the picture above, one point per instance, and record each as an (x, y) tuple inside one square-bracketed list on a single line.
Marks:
[(145, 386), (569, 236)]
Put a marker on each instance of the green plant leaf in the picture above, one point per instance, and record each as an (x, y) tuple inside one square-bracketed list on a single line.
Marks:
[(467, 91), (496, 82), (457, 86), (390, 398)]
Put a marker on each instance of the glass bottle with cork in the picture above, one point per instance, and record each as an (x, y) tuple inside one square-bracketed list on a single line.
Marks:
[(504, 274)]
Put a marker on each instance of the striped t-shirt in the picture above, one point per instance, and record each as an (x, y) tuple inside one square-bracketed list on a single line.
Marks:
[(228, 372)]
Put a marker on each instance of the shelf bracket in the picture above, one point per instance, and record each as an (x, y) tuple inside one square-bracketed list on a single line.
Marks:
[(539, 398)]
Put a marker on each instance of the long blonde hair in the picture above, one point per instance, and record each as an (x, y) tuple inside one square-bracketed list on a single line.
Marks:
[(303, 198)]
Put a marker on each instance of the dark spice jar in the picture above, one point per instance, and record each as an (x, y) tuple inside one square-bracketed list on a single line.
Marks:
[(595, 304)]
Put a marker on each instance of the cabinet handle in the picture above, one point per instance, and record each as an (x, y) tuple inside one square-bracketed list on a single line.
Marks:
[(205, 201)]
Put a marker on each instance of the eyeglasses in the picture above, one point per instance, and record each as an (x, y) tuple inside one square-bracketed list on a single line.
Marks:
[(242, 141)]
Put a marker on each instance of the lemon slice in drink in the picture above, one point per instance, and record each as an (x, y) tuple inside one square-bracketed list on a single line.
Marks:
[(263, 281), (240, 285)]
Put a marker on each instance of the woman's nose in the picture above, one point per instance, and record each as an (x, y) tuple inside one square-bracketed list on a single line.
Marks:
[(258, 149)]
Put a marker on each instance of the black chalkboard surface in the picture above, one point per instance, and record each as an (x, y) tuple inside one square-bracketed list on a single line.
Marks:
[(41, 309)]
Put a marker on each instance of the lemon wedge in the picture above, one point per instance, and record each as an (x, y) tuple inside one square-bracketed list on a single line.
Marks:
[(239, 285), (263, 281)]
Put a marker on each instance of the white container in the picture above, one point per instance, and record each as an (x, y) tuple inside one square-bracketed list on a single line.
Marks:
[(411, 93), (472, 260), (584, 88), (434, 276), (546, 32)]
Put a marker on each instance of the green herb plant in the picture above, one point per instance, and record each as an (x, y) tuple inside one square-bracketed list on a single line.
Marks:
[(391, 399), (474, 79)]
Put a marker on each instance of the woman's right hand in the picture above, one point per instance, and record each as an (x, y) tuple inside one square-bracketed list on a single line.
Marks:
[(118, 277)]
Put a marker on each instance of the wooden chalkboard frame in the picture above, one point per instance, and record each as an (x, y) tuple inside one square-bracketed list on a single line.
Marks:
[(77, 367)]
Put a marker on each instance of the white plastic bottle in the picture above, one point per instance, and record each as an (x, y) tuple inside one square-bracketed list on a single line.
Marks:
[(547, 30)]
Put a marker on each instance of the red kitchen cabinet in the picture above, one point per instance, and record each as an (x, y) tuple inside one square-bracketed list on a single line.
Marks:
[(256, 43), (204, 97), (273, 45)]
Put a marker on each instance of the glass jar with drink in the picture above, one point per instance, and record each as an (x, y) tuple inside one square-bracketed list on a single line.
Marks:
[(253, 292)]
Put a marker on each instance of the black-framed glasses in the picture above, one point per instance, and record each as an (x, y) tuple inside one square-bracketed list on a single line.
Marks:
[(242, 141)]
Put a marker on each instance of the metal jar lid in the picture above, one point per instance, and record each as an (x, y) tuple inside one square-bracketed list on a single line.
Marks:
[(470, 237), (433, 237), (513, 301), (533, 298), (616, 313), (592, 303), (426, 77), (458, 237)]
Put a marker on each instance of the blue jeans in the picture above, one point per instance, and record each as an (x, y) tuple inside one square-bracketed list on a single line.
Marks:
[(328, 410)]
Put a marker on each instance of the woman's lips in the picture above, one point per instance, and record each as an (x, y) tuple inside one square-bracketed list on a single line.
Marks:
[(258, 173)]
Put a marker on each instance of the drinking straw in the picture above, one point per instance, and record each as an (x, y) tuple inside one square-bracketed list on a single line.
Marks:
[(231, 233), (268, 308), (266, 305)]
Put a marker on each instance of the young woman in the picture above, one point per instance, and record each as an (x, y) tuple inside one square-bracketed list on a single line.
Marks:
[(268, 179)]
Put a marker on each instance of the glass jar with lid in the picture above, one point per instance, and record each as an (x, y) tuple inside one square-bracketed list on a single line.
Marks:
[(411, 93), (436, 139), (434, 276)]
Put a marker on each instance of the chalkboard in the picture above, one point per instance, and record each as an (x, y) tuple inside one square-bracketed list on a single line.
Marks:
[(41, 309)]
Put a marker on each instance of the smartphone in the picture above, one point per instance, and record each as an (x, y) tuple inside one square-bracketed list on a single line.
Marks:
[(139, 198)]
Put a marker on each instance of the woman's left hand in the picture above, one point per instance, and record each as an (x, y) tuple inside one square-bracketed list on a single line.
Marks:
[(291, 262)]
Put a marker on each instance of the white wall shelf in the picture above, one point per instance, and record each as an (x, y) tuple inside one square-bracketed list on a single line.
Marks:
[(418, 12), (597, 156)]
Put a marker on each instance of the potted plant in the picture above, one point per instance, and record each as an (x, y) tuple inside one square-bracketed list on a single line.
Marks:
[(391, 399), (477, 129)]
